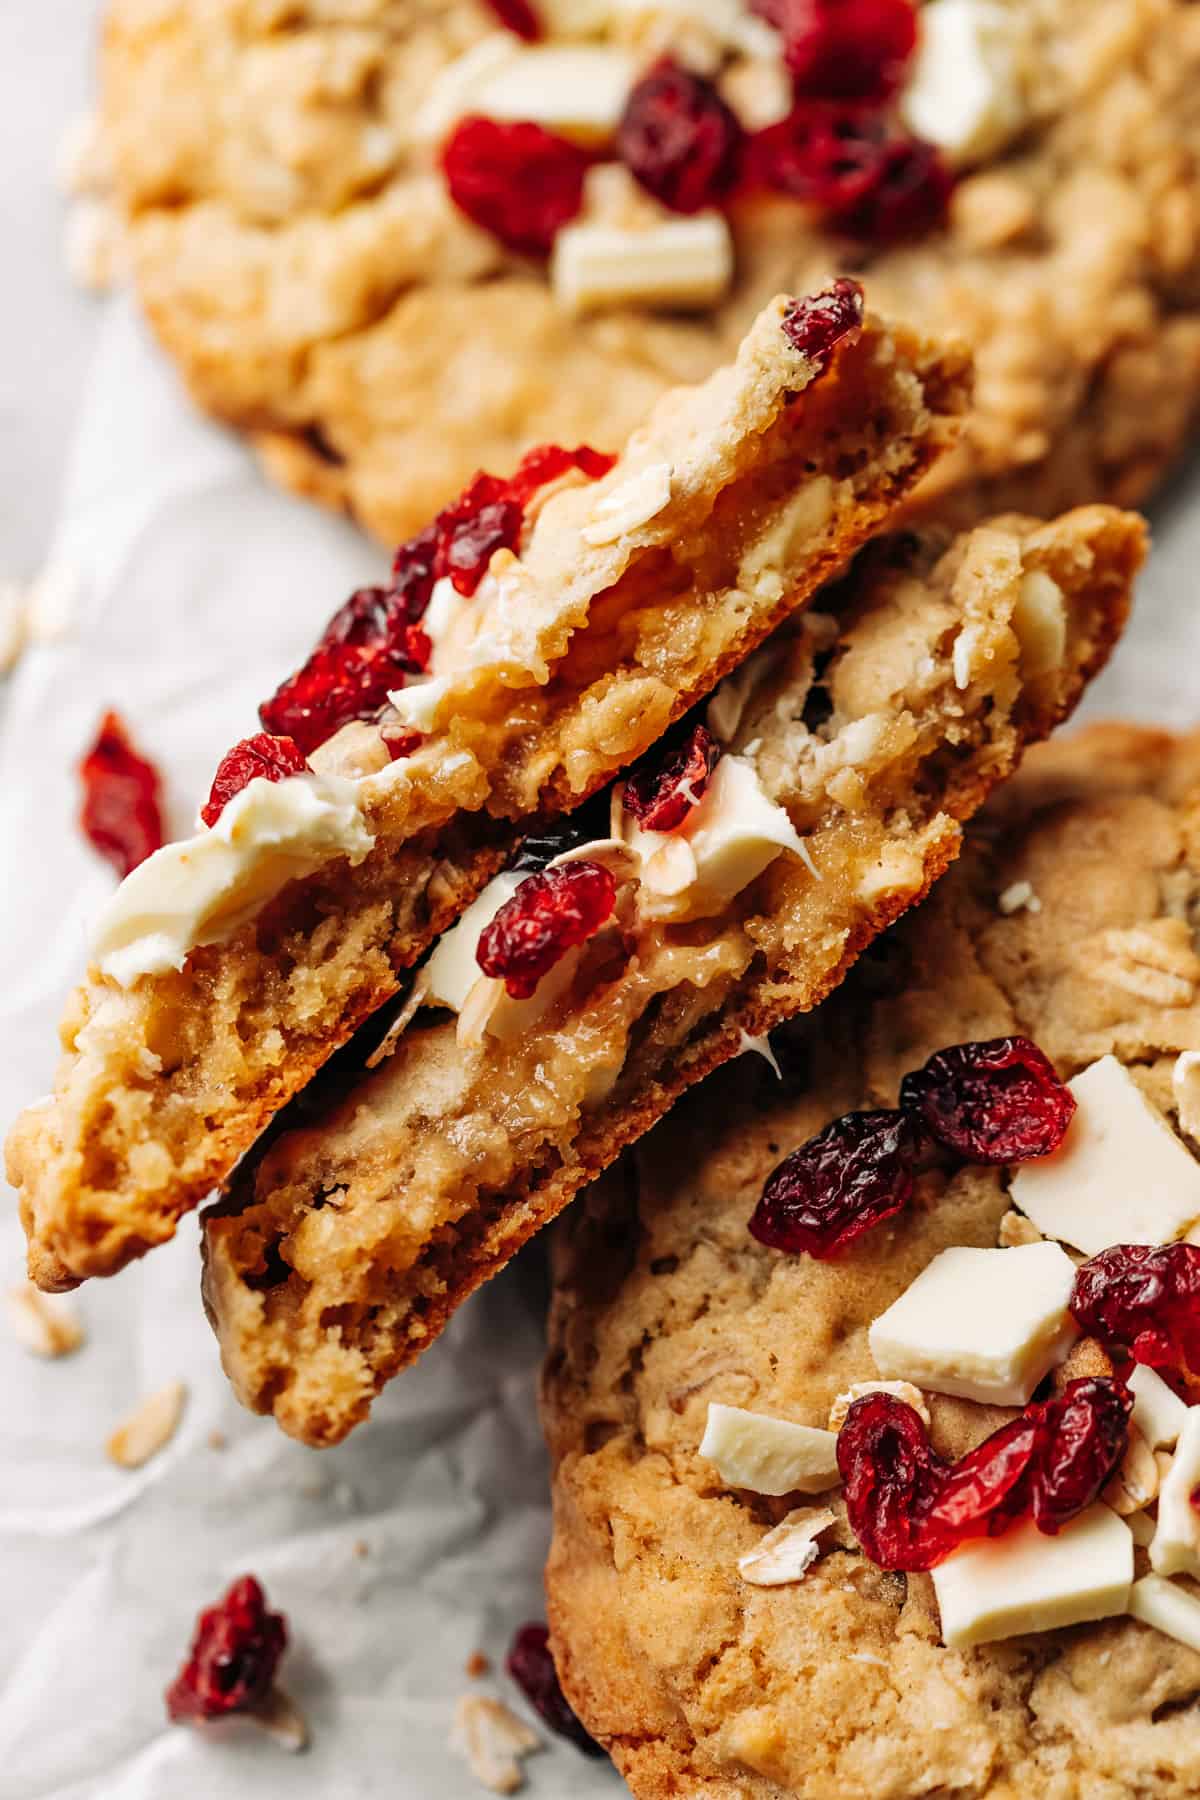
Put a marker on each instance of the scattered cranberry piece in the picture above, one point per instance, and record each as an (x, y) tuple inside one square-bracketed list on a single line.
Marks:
[(413, 573), (367, 649), (907, 195), (910, 1508), (548, 915), (1146, 1297), (818, 323), (678, 138), (661, 794), (519, 182), (259, 757), (531, 1666), (998, 1101), (234, 1655), (122, 810), (844, 49), (546, 462), (841, 1183), (485, 518), (872, 182), (518, 16)]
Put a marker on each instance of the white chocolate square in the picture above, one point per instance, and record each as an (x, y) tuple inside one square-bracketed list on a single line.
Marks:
[(768, 1455), (1175, 1547), (1158, 1412), (983, 1324), (1026, 1581), (1120, 1175), (1168, 1607)]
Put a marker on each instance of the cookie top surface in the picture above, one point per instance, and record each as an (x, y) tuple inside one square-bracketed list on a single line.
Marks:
[(295, 244), (839, 1683)]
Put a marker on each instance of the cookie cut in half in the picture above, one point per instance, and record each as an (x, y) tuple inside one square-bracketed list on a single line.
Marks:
[(720, 1634), (564, 618), (730, 882), (394, 242)]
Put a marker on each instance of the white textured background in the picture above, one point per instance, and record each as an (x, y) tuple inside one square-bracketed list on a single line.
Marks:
[(198, 585)]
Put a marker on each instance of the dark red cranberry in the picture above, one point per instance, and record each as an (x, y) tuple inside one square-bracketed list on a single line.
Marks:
[(518, 182), (235, 1653), (399, 740), (531, 1666), (678, 138), (845, 49), (870, 181), (519, 17), (849, 1178), (413, 573), (910, 1508), (662, 791), (546, 462), (907, 196), (998, 1101), (485, 518), (256, 758), (1145, 1297), (547, 916), (122, 807), (342, 681), (816, 324)]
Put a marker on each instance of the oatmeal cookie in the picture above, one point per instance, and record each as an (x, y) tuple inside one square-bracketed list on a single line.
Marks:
[(752, 866), (563, 624), (1074, 900), (295, 245)]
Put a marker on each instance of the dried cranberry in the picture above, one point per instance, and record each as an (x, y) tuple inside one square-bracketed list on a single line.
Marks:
[(367, 649), (518, 16), (547, 916), (910, 1508), (122, 810), (485, 518), (845, 49), (546, 462), (413, 573), (1146, 1297), (849, 1178), (818, 323), (679, 139), (661, 793), (531, 1666), (870, 181), (255, 758), (518, 182), (234, 1655), (399, 740), (907, 195), (998, 1101)]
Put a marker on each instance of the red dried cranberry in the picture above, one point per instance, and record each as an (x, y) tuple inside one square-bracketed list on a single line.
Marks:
[(413, 573), (546, 462), (531, 1666), (399, 740), (1145, 1297), (841, 1183), (998, 1101), (518, 16), (678, 138), (547, 916), (844, 49), (485, 518), (235, 1653), (907, 195), (910, 1508), (255, 758), (816, 324), (661, 794), (872, 183), (122, 810), (367, 649), (519, 182)]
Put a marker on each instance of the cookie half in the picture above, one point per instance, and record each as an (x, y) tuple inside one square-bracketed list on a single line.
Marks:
[(295, 244), (230, 966), (851, 749), (1069, 919)]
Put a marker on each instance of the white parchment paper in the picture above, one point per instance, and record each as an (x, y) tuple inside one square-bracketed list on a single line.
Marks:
[(420, 1540)]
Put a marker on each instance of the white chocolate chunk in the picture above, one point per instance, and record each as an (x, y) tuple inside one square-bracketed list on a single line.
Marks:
[(724, 711), (1168, 1608), (964, 94), (1120, 1175), (802, 522), (456, 88), (1158, 1412), (577, 91), (416, 705), (452, 970), (900, 1390), (1016, 895), (1040, 622), (789, 1551), (1025, 1581), (983, 1324), (1185, 1081), (768, 1455), (634, 502), (677, 263), (1176, 1545)]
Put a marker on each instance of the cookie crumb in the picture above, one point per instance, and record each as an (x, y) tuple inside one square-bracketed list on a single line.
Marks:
[(149, 1428), (494, 1742), (82, 164), (478, 1664), (40, 1324), (360, 1548), (1015, 1229), (1016, 895)]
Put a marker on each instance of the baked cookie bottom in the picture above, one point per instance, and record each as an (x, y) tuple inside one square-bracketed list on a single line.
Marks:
[(341, 1251), (838, 1684)]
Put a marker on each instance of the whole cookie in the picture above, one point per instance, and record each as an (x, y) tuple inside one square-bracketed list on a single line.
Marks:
[(294, 240), (1069, 919)]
